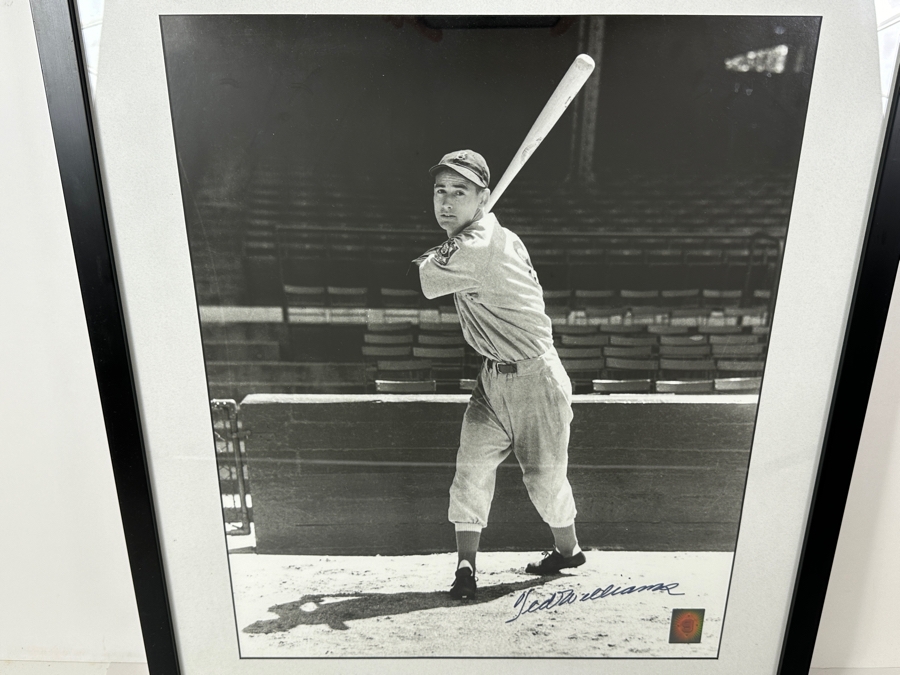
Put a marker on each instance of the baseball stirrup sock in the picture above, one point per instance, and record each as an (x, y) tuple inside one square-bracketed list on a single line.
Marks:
[(467, 546), (565, 540)]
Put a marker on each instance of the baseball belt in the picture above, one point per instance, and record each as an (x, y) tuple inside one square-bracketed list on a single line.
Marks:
[(505, 368)]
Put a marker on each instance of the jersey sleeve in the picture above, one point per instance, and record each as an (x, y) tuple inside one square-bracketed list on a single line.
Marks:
[(456, 265)]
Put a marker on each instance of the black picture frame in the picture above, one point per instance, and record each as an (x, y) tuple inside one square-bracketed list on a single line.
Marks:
[(68, 99), (65, 80)]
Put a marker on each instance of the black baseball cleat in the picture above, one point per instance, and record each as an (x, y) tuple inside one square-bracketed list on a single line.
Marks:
[(554, 562), (464, 587)]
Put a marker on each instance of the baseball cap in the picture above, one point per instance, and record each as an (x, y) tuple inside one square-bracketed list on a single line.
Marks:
[(468, 164)]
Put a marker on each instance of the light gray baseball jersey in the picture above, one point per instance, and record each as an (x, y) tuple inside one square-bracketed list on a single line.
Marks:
[(496, 290)]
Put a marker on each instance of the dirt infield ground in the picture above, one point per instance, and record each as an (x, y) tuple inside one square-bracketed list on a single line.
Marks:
[(342, 606)]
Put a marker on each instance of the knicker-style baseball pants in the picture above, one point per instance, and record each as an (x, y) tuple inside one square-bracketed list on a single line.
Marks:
[(529, 413)]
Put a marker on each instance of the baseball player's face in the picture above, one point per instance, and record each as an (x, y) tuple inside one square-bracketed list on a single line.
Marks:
[(457, 201)]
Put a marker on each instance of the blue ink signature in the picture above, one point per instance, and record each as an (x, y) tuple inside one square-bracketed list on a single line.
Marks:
[(570, 597)]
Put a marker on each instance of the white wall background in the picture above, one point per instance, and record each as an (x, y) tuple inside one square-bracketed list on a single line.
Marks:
[(65, 587), (66, 601)]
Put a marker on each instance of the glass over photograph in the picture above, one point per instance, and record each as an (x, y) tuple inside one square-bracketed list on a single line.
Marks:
[(485, 305)]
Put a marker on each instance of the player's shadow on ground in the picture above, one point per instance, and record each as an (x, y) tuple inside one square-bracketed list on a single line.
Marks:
[(335, 614)]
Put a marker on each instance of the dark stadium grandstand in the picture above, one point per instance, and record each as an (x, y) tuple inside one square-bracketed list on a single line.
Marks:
[(655, 213), (650, 260)]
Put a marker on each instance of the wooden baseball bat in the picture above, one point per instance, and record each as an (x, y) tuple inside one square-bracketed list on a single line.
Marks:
[(562, 96)]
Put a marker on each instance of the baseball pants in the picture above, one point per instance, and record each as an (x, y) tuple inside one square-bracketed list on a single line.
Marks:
[(528, 412)]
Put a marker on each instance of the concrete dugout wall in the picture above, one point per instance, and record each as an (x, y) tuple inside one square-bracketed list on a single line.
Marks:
[(370, 474)]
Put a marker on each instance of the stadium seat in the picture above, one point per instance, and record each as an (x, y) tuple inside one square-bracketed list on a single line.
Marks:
[(557, 299), (644, 352), (442, 339), (742, 367), (344, 296), (734, 339), (636, 298), (582, 371), (581, 352), (629, 329), (662, 330), (606, 313), (377, 351), (738, 351), (680, 297), (400, 298), (388, 326), (683, 340), (592, 298), (401, 369), (721, 298), (587, 340), (622, 386), (405, 386), (388, 338), (684, 386), (748, 311), (440, 354), (688, 316), (439, 327), (467, 384), (632, 368), (680, 367), (633, 340), (304, 296), (649, 315), (564, 329), (738, 385), (720, 330), (679, 352)]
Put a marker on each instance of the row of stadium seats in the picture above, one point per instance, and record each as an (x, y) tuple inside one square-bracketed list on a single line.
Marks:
[(277, 273), (724, 385), (434, 357), (689, 299)]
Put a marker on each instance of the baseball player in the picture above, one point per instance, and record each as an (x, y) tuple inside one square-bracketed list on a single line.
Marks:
[(522, 397)]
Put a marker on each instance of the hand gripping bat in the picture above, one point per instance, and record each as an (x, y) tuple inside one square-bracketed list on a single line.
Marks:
[(562, 96)]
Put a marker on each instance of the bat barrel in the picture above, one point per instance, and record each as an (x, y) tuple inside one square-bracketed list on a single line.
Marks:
[(565, 92)]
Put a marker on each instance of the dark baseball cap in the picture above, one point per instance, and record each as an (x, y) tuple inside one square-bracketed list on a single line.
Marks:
[(468, 164)]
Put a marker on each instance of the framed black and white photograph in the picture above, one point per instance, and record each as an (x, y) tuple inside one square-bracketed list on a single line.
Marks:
[(569, 291), (655, 216)]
